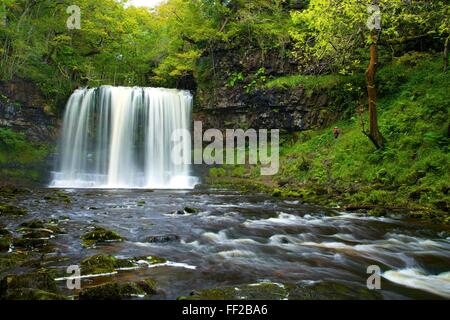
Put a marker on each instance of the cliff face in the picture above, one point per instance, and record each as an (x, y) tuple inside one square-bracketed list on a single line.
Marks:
[(23, 109), (30, 137), (248, 104)]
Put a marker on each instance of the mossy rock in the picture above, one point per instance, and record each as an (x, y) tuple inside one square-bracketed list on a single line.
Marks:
[(33, 224), (8, 210), (258, 291), (30, 243), (119, 291), (4, 232), (151, 260), (36, 226), (274, 291), (100, 264), (163, 238), (331, 291), (190, 210), (38, 234), (12, 260), (101, 235), (32, 294), (18, 286), (5, 244)]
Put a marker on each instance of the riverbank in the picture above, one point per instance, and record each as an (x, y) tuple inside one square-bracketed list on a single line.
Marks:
[(409, 176)]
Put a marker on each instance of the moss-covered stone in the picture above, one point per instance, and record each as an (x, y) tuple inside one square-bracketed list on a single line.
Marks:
[(190, 210), (33, 224), (8, 210), (99, 264), (32, 294), (5, 244), (25, 286), (119, 291), (31, 243), (101, 235), (275, 291), (163, 238)]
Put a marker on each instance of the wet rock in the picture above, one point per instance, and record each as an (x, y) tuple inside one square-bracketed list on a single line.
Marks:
[(163, 238), (152, 260), (331, 291), (185, 211), (8, 210), (38, 234), (4, 232), (39, 285), (101, 235), (5, 244), (100, 264), (276, 291), (190, 210), (33, 224), (39, 227), (30, 243), (119, 291)]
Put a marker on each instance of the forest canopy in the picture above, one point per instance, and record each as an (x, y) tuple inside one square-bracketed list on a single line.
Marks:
[(125, 45)]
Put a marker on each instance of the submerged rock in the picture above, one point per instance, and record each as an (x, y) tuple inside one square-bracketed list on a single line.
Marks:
[(36, 225), (163, 238), (185, 211), (101, 235), (8, 210), (33, 224), (152, 260), (119, 291)]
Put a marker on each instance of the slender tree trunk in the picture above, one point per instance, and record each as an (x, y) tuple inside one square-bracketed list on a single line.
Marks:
[(374, 133), (446, 53)]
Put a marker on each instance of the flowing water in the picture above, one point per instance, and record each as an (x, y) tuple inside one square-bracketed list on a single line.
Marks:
[(119, 137), (236, 239), (116, 138)]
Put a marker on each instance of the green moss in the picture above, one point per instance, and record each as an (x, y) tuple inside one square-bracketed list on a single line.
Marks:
[(99, 264), (119, 291), (274, 291), (101, 235), (25, 285), (411, 172), (8, 210), (190, 210)]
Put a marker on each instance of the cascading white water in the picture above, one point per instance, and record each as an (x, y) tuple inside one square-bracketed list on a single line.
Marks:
[(120, 137)]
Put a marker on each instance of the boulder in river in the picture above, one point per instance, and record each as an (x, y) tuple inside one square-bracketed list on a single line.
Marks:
[(101, 235), (119, 291), (100, 264), (277, 291), (38, 285), (163, 238), (8, 210)]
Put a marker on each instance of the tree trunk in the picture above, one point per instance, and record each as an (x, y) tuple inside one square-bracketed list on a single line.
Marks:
[(446, 53), (374, 133)]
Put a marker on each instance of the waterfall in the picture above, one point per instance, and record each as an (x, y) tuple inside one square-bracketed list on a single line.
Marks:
[(120, 137)]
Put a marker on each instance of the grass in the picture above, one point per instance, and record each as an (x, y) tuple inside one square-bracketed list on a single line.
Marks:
[(412, 171), (306, 81)]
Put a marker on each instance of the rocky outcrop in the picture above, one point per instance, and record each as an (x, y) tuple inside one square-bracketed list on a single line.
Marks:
[(290, 109), (23, 109), (221, 102)]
